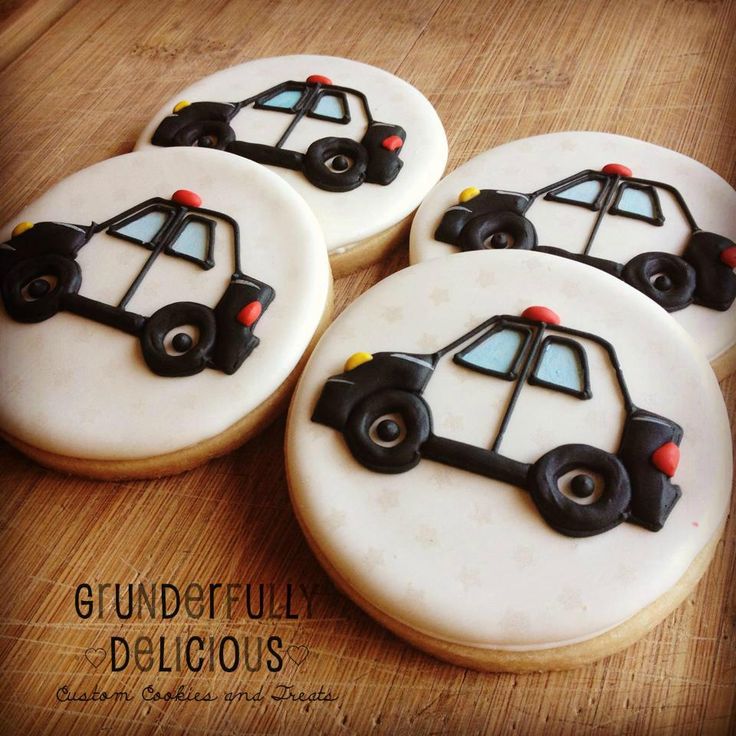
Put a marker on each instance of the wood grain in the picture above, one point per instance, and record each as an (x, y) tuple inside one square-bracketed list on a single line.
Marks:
[(77, 86)]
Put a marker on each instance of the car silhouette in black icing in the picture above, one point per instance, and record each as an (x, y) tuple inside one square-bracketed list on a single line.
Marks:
[(378, 405), (493, 218), (332, 163), (39, 276)]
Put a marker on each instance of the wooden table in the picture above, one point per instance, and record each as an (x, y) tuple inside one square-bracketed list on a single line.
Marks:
[(79, 81)]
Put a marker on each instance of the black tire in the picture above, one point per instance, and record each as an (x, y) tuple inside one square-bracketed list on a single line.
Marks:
[(517, 230), (322, 151), (205, 134), (168, 318), (403, 455), (564, 514), (20, 306), (642, 273)]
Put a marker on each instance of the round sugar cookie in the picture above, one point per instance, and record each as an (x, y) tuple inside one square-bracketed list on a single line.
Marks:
[(504, 460), (659, 221), (362, 146), (156, 310)]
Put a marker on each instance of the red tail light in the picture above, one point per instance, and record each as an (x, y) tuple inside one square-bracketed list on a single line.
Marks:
[(666, 458), (728, 256), (250, 313), (392, 142)]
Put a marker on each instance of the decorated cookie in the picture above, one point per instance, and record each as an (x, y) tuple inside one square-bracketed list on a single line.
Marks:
[(156, 309), (510, 472), (361, 146), (660, 222)]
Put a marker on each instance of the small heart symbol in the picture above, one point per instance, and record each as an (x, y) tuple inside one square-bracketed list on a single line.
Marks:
[(95, 656), (297, 654)]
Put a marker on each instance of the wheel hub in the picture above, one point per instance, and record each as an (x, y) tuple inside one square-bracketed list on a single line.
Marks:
[(388, 430), (582, 486), (181, 342), (38, 288)]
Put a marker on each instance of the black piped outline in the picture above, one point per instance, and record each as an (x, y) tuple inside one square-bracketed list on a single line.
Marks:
[(557, 194), (383, 166), (205, 263), (636, 491), (713, 282), (228, 342), (657, 220), (579, 350), (509, 375)]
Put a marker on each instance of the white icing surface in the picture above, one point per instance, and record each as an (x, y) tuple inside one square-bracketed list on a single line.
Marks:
[(531, 163), (468, 559), (79, 388), (346, 217)]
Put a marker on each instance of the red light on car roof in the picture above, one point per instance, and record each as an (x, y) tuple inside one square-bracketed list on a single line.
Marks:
[(318, 79), (187, 198), (728, 256), (666, 458), (249, 313), (617, 170), (392, 142), (541, 314)]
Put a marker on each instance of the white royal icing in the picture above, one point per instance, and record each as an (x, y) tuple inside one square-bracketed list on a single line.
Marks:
[(78, 388), (346, 217), (468, 559), (531, 163)]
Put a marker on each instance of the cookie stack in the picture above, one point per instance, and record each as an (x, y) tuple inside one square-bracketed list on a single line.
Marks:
[(514, 454)]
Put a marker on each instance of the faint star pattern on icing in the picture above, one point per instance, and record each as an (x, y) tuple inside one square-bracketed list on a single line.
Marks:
[(374, 557), (485, 278), (570, 599), (523, 556), (482, 514), (387, 499), (439, 296), (514, 622), (469, 578), (392, 314), (428, 343), (426, 536), (335, 519), (453, 421)]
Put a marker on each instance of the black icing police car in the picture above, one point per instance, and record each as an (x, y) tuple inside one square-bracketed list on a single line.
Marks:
[(337, 164), (378, 405), (494, 219), (40, 276)]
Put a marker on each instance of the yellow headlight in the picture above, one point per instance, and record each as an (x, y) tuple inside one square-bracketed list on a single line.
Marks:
[(357, 359), (21, 227), (181, 105), (468, 193)]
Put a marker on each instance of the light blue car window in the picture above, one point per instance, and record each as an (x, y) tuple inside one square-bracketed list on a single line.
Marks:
[(143, 229), (497, 354), (562, 366), (637, 202), (285, 100), (193, 240), (330, 106), (586, 192)]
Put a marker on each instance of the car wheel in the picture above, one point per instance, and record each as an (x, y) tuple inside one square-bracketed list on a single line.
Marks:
[(572, 516), (178, 338), (205, 134), (336, 164), (498, 231), (386, 430), (33, 289), (666, 278)]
